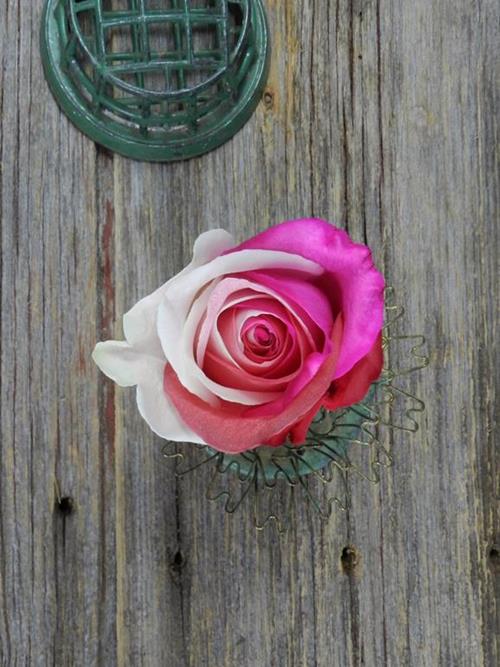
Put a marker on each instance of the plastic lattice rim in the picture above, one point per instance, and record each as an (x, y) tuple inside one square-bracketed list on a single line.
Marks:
[(100, 58)]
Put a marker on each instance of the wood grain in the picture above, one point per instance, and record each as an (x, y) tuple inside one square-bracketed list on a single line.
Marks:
[(380, 115)]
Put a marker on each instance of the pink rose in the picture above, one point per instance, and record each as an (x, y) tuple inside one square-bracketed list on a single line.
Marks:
[(245, 345)]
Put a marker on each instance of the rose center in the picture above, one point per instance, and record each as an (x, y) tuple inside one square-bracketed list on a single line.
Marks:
[(263, 336), (261, 339)]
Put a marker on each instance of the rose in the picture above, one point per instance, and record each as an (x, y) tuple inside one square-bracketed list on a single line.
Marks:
[(245, 345)]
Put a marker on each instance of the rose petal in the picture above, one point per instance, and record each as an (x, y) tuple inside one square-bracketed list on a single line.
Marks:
[(141, 360), (217, 304), (193, 376), (297, 433), (139, 324), (226, 373), (124, 364), (180, 313), (309, 369), (228, 428), (349, 271), (227, 334), (225, 295), (352, 387), (307, 296), (296, 329), (157, 410), (127, 367)]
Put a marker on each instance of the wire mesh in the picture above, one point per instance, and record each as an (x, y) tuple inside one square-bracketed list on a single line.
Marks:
[(340, 444), (155, 70)]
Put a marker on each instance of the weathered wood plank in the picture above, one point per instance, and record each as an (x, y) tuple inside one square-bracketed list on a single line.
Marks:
[(378, 115)]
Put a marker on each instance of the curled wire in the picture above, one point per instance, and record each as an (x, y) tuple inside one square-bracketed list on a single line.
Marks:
[(333, 439)]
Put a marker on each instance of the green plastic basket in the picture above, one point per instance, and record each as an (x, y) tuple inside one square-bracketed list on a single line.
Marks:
[(156, 80)]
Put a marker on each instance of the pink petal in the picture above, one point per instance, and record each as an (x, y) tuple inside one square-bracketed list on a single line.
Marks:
[(307, 372), (247, 374), (184, 304), (300, 292), (229, 375), (224, 381), (227, 334), (280, 368), (350, 278), (228, 428)]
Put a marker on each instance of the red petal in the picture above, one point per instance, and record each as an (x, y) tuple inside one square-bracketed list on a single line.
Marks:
[(228, 429), (297, 432), (354, 385), (347, 390)]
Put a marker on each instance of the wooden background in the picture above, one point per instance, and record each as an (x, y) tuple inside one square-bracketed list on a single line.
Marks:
[(380, 115)]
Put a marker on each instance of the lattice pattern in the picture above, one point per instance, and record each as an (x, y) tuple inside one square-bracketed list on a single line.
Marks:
[(156, 65)]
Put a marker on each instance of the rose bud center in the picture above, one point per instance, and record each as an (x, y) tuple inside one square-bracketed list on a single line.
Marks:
[(262, 337)]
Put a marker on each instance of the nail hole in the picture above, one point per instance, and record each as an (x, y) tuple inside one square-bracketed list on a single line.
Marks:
[(66, 505), (494, 559), (268, 99), (349, 559), (177, 563)]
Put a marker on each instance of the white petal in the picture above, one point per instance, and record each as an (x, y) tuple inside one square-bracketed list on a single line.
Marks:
[(127, 367), (210, 245), (124, 364), (139, 324), (140, 361), (160, 414), (186, 287)]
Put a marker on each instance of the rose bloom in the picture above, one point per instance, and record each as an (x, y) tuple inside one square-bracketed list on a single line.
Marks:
[(248, 342)]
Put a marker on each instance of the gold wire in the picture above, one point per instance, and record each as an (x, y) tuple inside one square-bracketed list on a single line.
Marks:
[(255, 482)]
